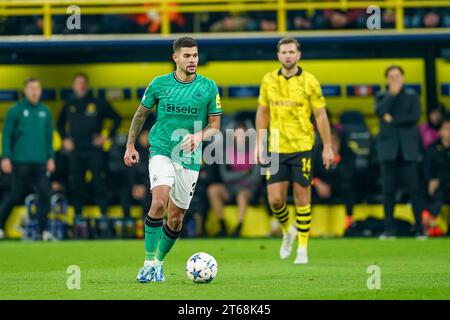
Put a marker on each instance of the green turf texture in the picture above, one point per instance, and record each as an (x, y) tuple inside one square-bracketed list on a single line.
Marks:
[(247, 269)]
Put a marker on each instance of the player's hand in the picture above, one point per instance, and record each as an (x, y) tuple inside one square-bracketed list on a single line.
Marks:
[(387, 118), (131, 156), (191, 142), (6, 166), (259, 155), (327, 156), (51, 165), (433, 185), (98, 140), (68, 144)]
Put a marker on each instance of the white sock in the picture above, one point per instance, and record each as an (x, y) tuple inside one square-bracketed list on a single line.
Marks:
[(150, 263), (158, 263)]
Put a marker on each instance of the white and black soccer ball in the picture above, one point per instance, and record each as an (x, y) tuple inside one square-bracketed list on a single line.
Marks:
[(201, 267)]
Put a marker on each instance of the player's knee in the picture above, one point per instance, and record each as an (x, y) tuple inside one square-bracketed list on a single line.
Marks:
[(302, 200), (276, 203), (157, 207)]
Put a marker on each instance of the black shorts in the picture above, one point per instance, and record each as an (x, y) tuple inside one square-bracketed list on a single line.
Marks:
[(294, 167)]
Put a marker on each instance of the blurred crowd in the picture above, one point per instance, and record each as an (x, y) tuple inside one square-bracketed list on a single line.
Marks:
[(150, 22)]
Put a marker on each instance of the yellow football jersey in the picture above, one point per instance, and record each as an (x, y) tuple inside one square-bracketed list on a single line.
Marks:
[(291, 102)]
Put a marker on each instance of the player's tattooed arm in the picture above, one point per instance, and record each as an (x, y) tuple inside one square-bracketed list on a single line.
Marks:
[(212, 128), (136, 124), (131, 156)]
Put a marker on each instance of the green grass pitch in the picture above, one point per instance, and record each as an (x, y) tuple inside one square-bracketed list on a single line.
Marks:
[(247, 269)]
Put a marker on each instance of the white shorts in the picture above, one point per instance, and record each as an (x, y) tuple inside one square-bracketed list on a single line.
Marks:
[(164, 172)]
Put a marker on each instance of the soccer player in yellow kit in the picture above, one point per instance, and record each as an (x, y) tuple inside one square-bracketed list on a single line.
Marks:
[(288, 97)]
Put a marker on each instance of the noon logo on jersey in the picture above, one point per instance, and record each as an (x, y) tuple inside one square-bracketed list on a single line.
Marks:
[(218, 102), (180, 109)]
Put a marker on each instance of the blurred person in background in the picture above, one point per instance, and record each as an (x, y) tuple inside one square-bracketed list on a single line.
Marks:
[(140, 184), (427, 18), (239, 178), (28, 154), (5, 183), (398, 110), (150, 22), (119, 185), (335, 186), (80, 125), (388, 18), (429, 131), (437, 175), (234, 21), (344, 19), (299, 20)]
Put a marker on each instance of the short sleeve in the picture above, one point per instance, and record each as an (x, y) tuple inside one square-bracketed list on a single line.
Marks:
[(149, 98), (214, 104), (263, 99), (317, 100)]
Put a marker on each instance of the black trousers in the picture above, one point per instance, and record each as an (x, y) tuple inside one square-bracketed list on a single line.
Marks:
[(437, 200), (23, 176), (79, 162), (391, 172)]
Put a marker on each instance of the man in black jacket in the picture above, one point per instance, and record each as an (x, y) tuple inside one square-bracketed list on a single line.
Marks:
[(399, 110), (80, 124)]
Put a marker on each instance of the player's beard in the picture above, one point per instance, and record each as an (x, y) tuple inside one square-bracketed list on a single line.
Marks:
[(189, 73), (290, 66)]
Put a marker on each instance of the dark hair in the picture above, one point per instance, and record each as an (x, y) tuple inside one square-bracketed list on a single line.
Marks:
[(29, 80), (184, 42), (440, 107), (393, 67), (81, 75), (446, 117), (288, 41), (240, 125)]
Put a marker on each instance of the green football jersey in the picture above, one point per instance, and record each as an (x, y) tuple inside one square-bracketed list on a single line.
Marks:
[(181, 108)]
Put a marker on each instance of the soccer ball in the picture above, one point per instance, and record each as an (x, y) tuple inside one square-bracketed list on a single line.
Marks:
[(201, 267)]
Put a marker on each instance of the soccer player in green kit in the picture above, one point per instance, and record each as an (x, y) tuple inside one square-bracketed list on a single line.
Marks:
[(188, 112)]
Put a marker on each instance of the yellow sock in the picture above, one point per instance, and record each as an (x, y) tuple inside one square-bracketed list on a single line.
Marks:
[(303, 214), (282, 215)]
